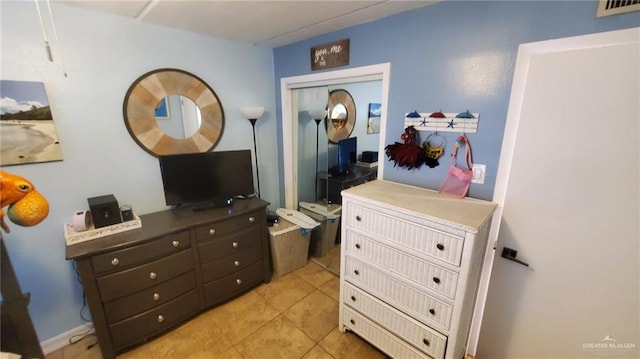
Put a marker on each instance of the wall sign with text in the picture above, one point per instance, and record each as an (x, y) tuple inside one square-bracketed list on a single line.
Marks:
[(330, 55)]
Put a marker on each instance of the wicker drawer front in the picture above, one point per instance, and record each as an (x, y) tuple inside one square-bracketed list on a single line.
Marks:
[(147, 324), (239, 282), (131, 256), (131, 280), (415, 269), (407, 233), (412, 301), (379, 337), (227, 245), (230, 264), (417, 334), (228, 226), (143, 300)]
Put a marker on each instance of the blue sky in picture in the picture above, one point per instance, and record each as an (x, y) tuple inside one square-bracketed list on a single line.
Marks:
[(374, 109), (16, 96)]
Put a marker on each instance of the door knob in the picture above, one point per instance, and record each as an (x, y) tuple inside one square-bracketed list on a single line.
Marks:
[(511, 254)]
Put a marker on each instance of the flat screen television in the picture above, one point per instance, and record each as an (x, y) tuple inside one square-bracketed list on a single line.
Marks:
[(347, 154), (208, 179)]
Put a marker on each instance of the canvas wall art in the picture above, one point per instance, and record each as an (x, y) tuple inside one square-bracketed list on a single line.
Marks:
[(373, 122), (27, 129)]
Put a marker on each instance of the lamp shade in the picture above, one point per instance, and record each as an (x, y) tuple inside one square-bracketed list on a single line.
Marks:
[(252, 112), (318, 114)]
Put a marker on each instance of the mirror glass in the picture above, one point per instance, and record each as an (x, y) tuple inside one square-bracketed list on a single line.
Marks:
[(338, 116), (190, 120), (183, 116), (313, 182)]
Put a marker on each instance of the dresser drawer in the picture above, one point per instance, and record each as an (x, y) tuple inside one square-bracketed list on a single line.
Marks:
[(415, 269), (228, 226), (227, 287), (380, 337), (407, 232), (229, 264), (152, 322), (227, 245), (143, 300), (131, 280), (141, 253), (414, 302), (415, 333)]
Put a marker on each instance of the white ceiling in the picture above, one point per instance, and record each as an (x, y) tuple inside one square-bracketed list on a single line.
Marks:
[(261, 22)]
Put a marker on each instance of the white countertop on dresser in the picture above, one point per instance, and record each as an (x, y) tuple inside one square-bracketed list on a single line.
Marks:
[(465, 213)]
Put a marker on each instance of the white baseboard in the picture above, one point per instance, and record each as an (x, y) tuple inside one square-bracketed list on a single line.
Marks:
[(52, 344)]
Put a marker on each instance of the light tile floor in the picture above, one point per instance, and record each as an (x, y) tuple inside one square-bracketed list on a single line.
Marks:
[(293, 317)]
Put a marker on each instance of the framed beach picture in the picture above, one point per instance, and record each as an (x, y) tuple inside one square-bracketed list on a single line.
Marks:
[(26, 125), (373, 123)]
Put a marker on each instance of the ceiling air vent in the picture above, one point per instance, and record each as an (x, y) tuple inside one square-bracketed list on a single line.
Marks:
[(615, 7)]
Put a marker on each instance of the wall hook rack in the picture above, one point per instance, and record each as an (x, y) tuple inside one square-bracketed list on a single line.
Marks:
[(463, 122)]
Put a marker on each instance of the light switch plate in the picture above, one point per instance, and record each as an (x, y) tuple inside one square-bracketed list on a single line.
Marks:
[(478, 173)]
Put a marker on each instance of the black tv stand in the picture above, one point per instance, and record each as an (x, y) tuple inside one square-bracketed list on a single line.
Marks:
[(197, 207), (336, 183), (337, 171)]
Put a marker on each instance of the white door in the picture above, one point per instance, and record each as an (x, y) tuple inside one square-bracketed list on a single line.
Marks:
[(568, 188)]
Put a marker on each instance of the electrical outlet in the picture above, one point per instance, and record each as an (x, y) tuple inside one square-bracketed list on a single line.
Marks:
[(478, 173)]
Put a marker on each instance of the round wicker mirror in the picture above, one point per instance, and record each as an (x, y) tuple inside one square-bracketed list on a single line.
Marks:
[(149, 90), (341, 117)]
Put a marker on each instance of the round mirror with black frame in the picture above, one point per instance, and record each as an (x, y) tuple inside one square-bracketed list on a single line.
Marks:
[(147, 93), (341, 118)]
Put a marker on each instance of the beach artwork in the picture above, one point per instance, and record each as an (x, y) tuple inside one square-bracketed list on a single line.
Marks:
[(373, 122), (27, 131)]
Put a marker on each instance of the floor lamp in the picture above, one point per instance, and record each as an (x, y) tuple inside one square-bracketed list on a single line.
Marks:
[(253, 114), (317, 116)]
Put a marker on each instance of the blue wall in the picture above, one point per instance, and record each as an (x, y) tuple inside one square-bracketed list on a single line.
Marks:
[(103, 55), (453, 56)]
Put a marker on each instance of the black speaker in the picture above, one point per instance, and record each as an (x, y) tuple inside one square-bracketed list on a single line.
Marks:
[(369, 156), (104, 210)]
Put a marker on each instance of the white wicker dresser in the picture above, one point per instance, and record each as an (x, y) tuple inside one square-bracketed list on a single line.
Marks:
[(410, 267)]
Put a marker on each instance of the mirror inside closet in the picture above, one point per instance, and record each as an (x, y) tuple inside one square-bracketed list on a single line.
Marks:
[(332, 134)]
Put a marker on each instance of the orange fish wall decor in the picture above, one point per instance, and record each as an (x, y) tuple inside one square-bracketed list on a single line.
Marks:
[(27, 207)]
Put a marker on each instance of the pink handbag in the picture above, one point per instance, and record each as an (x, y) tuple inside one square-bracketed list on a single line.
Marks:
[(458, 178)]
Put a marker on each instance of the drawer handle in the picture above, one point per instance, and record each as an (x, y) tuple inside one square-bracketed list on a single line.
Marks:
[(436, 280), (235, 244), (160, 318), (440, 246), (152, 275), (358, 218), (357, 272), (353, 298), (236, 263), (175, 244), (156, 296), (252, 219), (115, 261), (426, 341), (212, 231), (352, 321), (432, 311), (357, 245), (238, 281)]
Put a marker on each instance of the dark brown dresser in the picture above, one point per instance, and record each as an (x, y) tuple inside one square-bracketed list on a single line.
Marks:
[(143, 282)]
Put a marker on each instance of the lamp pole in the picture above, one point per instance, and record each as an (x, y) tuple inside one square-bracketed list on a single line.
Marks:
[(317, 149), (255, 151), (253, 114)]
